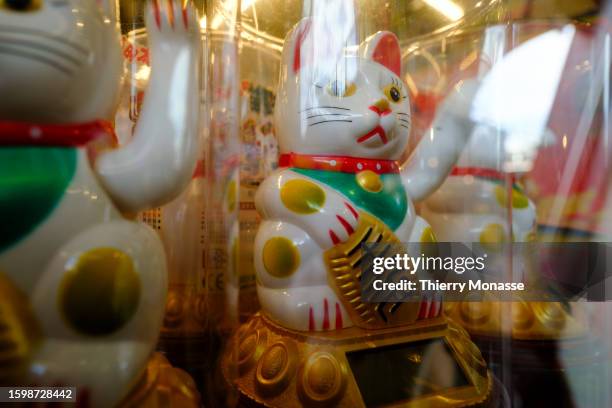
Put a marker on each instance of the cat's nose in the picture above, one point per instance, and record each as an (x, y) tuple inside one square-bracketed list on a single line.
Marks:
[(381, 106)]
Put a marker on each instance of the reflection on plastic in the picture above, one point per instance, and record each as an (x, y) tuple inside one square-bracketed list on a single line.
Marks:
[(517, 95)]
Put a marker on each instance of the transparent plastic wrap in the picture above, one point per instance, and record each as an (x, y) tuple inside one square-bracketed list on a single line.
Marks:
[(321, 203), (429, 130), (545, 163)]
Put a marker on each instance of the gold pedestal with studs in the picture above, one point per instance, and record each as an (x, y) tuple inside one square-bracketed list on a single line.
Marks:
[(275, 367), (20, 333), (163, 386), (520, 320)]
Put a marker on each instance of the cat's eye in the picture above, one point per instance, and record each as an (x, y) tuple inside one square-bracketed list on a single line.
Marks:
[(341, 89), (20, 5), (393, 93)]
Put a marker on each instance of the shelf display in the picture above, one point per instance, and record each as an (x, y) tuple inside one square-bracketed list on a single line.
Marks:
[(83, 286)]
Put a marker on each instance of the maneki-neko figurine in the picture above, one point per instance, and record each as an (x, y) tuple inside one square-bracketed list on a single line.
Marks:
[(82, 287), (316, 342), (483, 200)]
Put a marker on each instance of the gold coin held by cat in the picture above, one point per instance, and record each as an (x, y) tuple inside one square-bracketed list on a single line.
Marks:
[(369, 181)]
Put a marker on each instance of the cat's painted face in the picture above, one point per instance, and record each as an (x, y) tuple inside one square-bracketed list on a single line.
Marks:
[(60, 60), (354, 105)]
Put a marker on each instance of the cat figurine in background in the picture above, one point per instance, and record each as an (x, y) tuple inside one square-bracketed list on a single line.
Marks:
[(82, 289), (341, 130), (472, 203)]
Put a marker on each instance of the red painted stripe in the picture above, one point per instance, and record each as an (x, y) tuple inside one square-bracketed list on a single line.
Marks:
[(298, 58), (156, 13), (377, 131), (199, 171), (352, 210), (433, 310), (345, 224), (334, 237), (325, 315), (185, 19), (339, 323), (311, 322)]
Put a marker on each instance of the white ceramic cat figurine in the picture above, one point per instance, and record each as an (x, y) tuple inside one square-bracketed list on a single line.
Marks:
[(472, 203), (82, 288), (341, 130)]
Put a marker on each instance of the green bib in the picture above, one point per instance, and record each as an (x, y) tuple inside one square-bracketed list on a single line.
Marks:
[(32, 183), (389, 204)]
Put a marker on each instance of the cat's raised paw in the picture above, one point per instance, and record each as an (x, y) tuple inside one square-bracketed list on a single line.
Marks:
[(174, 19)]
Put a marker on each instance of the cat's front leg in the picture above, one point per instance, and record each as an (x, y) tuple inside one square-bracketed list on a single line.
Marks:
[(292, 280), (326, 215), (156, 165)]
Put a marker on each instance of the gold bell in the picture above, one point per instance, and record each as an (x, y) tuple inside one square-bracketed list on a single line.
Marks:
[(369, 181)]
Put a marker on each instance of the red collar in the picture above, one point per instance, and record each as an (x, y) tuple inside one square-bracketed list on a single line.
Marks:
[(482, 172), (29, 134), (342, 164)]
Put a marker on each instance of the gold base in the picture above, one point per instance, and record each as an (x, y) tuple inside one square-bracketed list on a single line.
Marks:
[(163, 386), (19, 332), (519, 320), (275, 367)]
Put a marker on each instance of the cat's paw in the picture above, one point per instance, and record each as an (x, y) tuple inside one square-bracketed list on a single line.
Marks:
[(170, 22)]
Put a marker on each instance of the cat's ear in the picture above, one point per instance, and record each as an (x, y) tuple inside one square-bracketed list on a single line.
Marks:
[(314, 41), (110, 9), (297, 49), (383, 47)]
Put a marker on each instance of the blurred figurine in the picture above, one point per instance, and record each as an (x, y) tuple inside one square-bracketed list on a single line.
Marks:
[(472, 203), (82, 288)]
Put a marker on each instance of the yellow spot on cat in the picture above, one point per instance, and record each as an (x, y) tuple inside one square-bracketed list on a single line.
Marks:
[(281, 257), (302, 196), (369, 181), (427, 236), (231, 196), (519, 200), (100, 294), (492, 236)]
